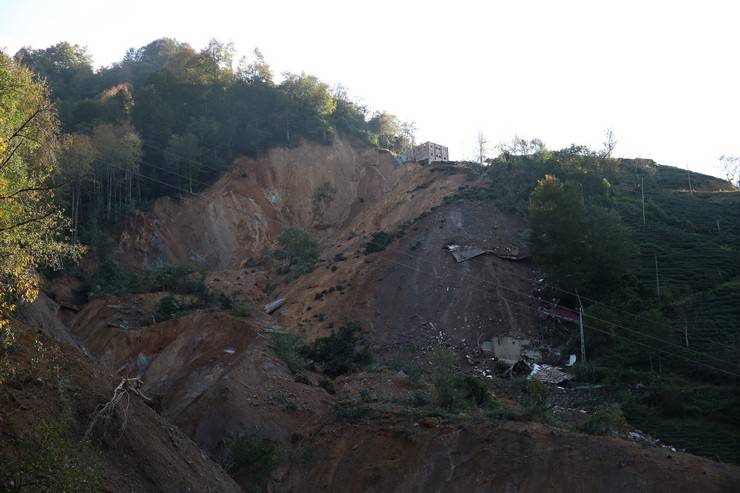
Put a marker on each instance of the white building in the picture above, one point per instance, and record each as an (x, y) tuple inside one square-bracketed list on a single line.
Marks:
[(429, 152)]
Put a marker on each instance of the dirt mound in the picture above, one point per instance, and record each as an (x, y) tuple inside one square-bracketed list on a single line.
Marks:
[(59, 390), (508, 457)]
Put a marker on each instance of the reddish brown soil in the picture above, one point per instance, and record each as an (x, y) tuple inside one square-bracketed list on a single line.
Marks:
[(214, 375), (152, 454), (510, 457)]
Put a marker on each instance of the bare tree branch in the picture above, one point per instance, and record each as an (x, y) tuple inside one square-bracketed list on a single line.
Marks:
[(25, 124), (31, 189), (10, 156)]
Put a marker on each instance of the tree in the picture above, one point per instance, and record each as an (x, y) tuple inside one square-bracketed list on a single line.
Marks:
[(76, 158), (119, 151), (391, 133), (482, 142), (32, 227), (301, 250), (610, 142), (67, 68), (580, 245), (731, 168), (522, 147), (182, 157), (255, 72), (310, 106)]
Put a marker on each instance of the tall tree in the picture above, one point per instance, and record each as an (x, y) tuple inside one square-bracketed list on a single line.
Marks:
[(119, 151), (32, 227), (76, 158)]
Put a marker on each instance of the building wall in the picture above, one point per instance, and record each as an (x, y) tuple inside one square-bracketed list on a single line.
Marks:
[(431, 152)]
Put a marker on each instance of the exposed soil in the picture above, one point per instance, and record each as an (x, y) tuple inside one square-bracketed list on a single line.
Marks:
[(151, 455), (214, 375), (508, 457)]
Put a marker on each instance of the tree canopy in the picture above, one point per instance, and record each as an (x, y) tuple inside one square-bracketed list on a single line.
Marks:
[(32, 226), (181, 116)]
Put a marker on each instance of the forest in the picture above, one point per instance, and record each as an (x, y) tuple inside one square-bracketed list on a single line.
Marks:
[(168, 120)]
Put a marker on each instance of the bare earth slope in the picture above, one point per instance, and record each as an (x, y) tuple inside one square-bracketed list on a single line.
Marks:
[(214, 375), (151, 455)]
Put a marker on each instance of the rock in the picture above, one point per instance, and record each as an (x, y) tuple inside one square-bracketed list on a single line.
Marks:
[(401, 376)]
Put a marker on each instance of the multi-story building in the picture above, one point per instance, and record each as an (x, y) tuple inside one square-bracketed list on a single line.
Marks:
[(429, 152)]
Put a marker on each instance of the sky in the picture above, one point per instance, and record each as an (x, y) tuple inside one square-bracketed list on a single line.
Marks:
[(664, 76)]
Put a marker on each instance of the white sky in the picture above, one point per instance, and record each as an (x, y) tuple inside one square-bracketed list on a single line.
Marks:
[(664, 75)]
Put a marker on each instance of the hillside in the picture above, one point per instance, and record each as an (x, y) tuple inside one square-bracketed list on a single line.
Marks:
[(224, 372)]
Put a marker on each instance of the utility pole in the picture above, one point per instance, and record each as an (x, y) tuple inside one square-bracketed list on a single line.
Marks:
[(657, 277), (580, 323), (688, 173), (642, 190)]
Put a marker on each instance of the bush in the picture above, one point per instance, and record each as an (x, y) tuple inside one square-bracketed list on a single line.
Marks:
[(340, 352), (604, 420), (352, 413), (454, 391), (243, 310), (224, 301), (301, 250), (536, 402), (287, 347), (168, 278), (250, 457), (46, 459), (322, 197), (167, 309), (328, 385), (378, 242)]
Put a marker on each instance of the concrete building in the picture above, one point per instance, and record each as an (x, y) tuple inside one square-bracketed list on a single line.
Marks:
[(429, 152)]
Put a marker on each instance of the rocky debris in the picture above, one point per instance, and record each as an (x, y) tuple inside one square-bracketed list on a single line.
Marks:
[(549, 374)]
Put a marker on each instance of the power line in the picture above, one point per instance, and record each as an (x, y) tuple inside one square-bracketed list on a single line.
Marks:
[(504, 287), (528, 295), (600, 330)]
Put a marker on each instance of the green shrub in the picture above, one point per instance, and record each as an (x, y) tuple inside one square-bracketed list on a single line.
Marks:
[(322, 197), (340, 352), (328, 385), (300, 249), (250, 457), (243, 310), (168, 278), (352, 413), (604, 420), (46, 459), (452, 390), (536, 402), (167, 309), (378, 242), (224, 301), (287, 347)]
